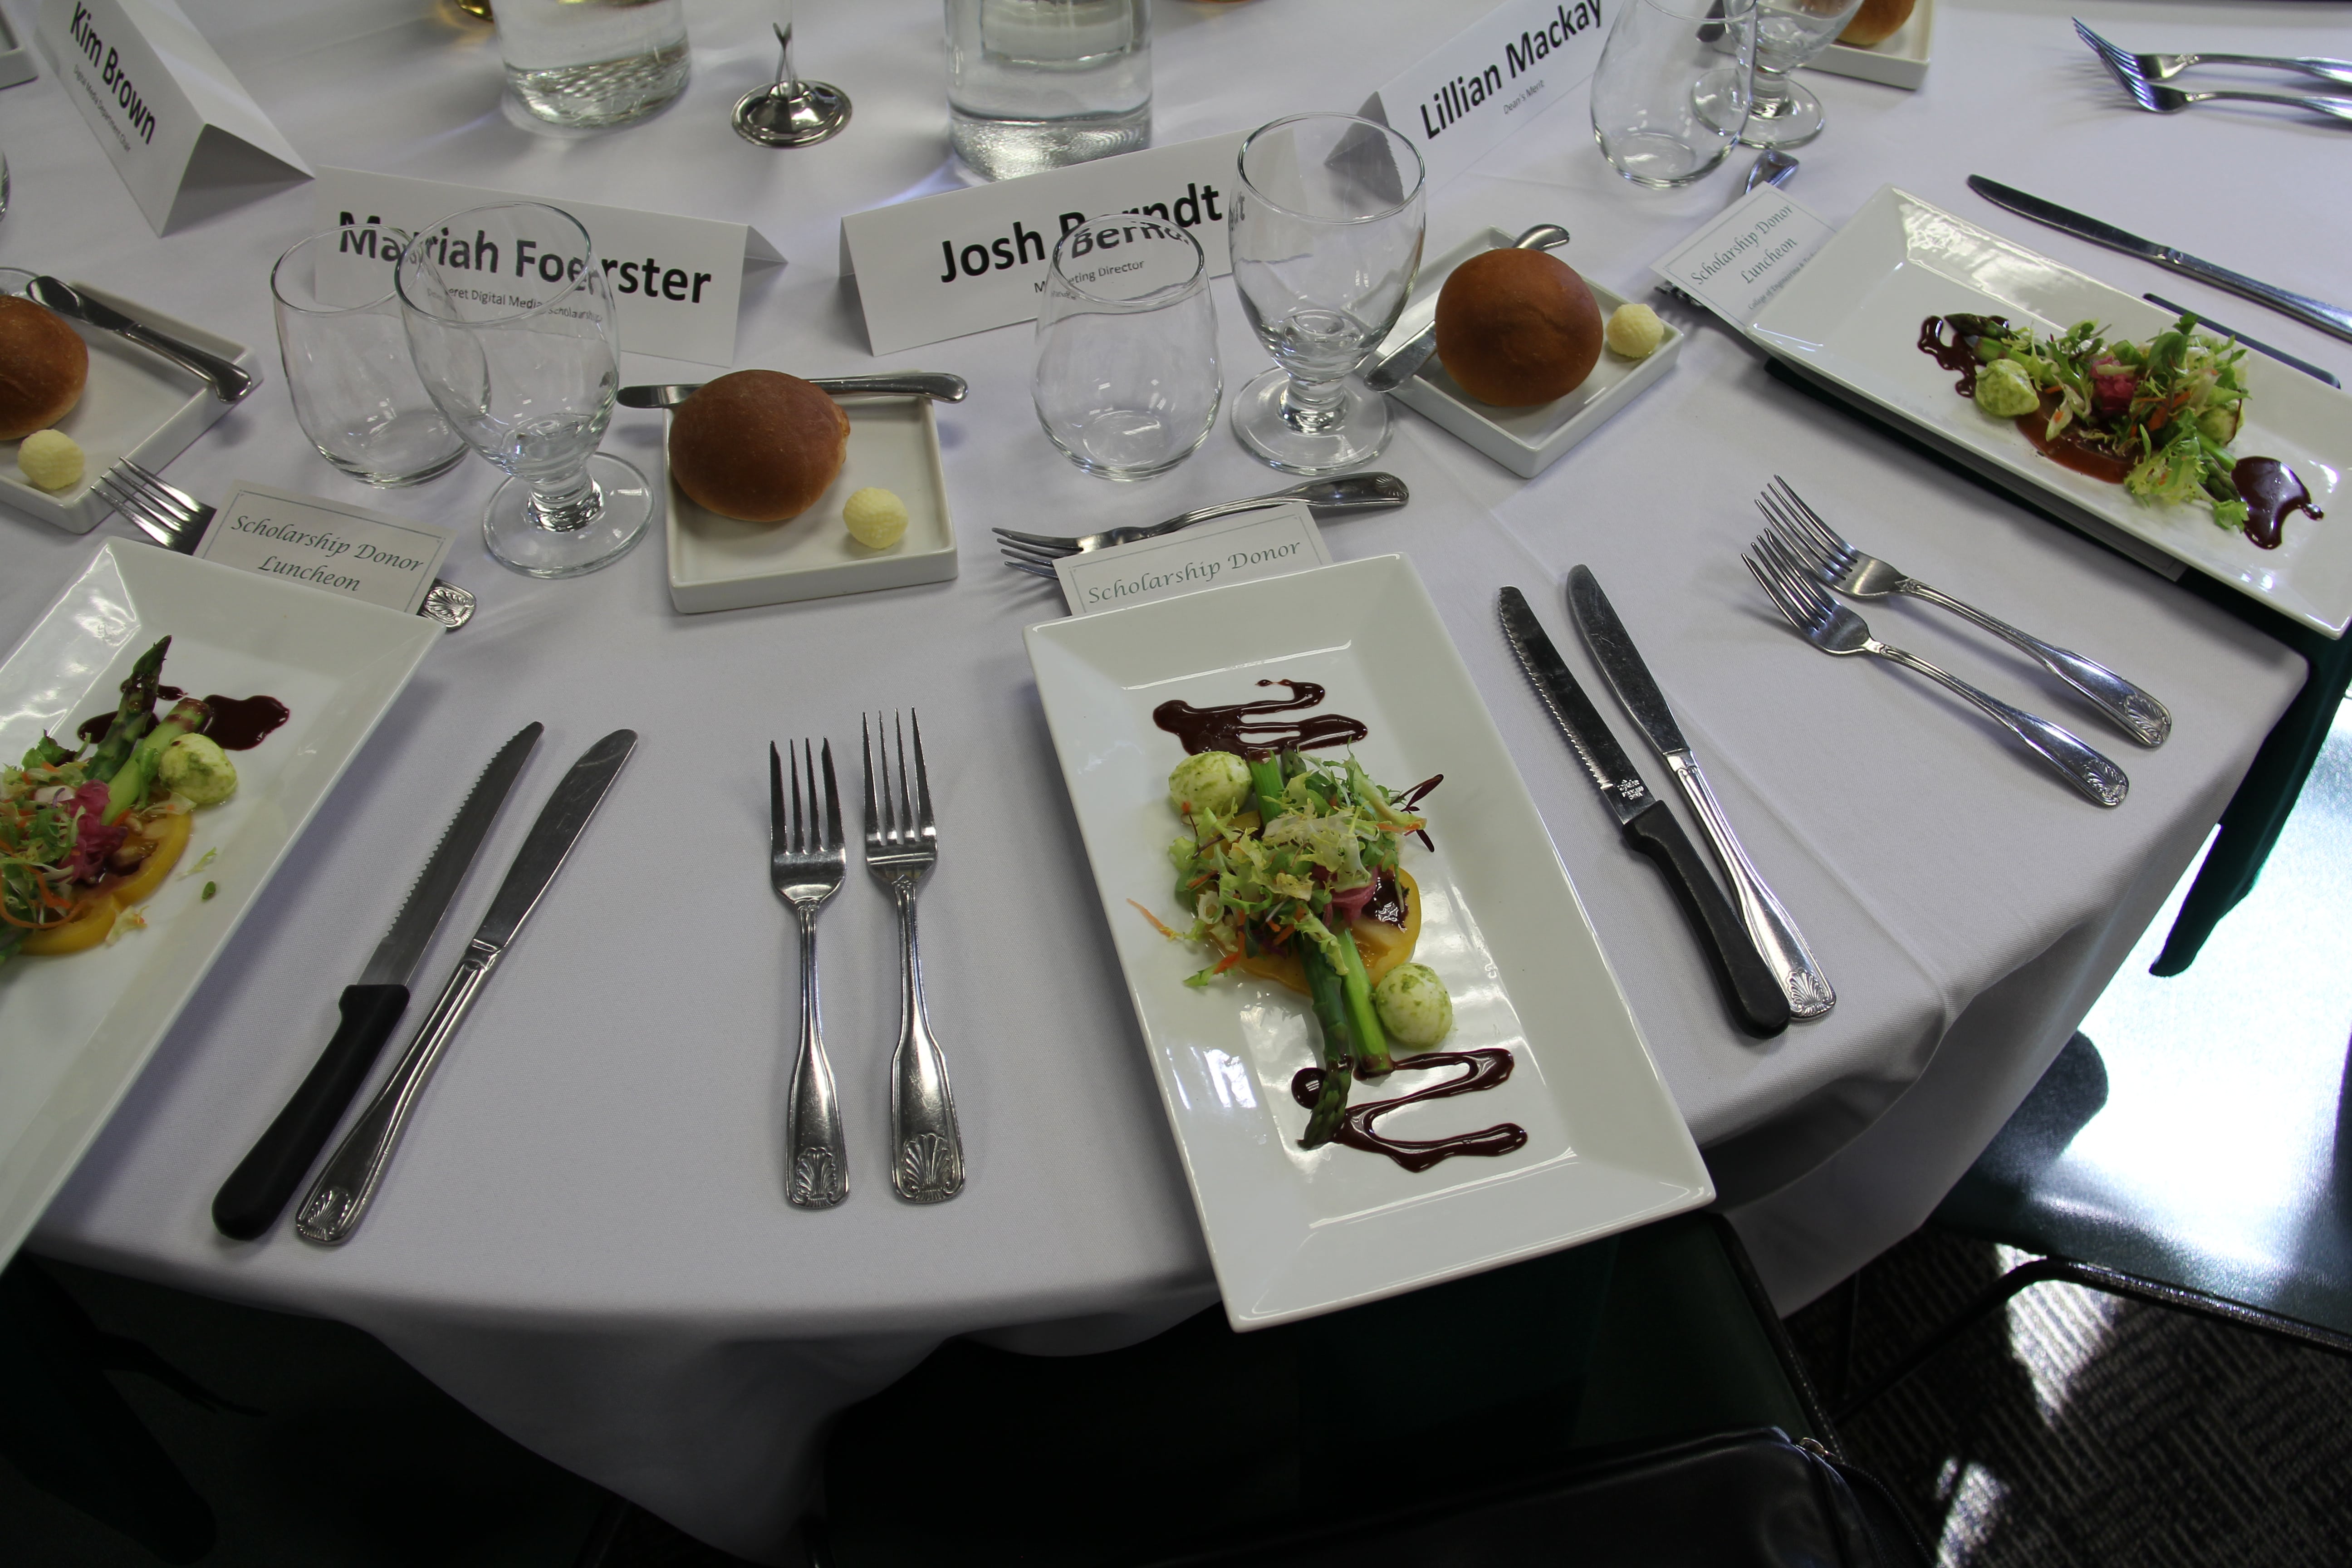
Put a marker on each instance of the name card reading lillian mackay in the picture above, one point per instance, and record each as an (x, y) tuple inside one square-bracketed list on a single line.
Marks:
[(339, 549), (1272, 541)]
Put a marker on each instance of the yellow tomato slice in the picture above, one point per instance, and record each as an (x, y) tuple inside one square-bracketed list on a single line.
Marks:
[(170, 836), (1382, 946)]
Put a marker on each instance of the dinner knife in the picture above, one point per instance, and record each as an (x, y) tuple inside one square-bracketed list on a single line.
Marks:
[(348, 1184), (1776, 936), (1399, 364), (2210, 325), (250, 1200), (229, 382), (2331, 319), (1649, 827), (930, 384)]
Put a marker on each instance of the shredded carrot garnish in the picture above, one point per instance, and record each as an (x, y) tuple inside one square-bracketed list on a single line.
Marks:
[(1156, 924)]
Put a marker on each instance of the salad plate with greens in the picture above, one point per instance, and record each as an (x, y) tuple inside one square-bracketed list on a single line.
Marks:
[(1383, 1031), (136, 864), (2112, 413)]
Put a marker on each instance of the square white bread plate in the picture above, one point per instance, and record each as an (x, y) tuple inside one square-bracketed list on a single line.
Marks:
[(1852, 319), (1898, 59), (136, 405), (78, 1028), (1296, 1232), (719, 563), (1525, 441)]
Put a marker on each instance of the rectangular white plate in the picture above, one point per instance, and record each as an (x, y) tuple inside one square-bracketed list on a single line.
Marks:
[(1898, 59), (1852, 317), (1294, 1232), (1525, 441), (719, 563), (74, 1031), (136, 405)]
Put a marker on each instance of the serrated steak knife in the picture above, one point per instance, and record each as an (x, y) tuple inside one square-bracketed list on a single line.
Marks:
[(1649, 827), (1775, 935), (250, 1200)]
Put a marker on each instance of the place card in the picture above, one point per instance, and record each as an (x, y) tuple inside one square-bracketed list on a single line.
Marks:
[(676, 282), (1744, 256), (1489, 79), (187, 140), (1272, 541), (964, 261), (329, 546)]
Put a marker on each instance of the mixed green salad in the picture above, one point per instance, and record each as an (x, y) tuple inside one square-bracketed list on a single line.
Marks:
[(88, 832), (2164, 410), (1283, 857)]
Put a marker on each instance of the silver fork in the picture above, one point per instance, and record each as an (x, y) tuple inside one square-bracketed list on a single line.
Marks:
[(177, 520), (1341, 497), (2163, 67), (902, 842), (1819, 549), (807, 860), (2157, 98), (1832, 628)]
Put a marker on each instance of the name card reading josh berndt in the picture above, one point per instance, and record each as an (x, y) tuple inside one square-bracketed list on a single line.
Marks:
[(344, 550), (1267, 542)]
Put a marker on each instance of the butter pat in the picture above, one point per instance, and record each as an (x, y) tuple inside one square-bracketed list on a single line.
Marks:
[(51, 459), (1634, 332), (875, 517)]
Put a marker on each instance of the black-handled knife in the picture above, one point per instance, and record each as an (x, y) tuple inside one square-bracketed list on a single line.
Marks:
[(1749, 987), (258, 1191)]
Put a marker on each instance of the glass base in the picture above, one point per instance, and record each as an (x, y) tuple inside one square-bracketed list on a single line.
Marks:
[(395, 473), (518, 541), (1790, 119), (998, 147), (1350, 433)]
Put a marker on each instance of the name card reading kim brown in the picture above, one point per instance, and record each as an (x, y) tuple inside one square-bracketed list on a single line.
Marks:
[(329, 546)]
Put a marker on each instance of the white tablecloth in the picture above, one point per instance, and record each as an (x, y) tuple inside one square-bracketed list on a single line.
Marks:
[(584, 1237)]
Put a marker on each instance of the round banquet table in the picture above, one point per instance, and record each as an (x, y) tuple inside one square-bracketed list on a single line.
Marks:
[(584, 1237)]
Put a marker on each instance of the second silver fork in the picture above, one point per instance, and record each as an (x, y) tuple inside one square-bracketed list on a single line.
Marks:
[(807, 860), (902, 842), (1824, 552)]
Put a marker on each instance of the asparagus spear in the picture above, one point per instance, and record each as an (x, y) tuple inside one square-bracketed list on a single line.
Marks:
[(132, 719), (130, 784), (1323, 989), (1356, 986)]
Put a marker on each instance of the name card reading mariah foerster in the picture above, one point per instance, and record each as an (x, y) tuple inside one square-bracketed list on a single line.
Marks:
[(341, 549), (1272, 541), (964, 261), (1742, 259)]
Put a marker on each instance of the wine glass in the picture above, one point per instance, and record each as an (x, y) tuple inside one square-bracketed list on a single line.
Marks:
[(1785, 113), (1325, 231), (509, 319)]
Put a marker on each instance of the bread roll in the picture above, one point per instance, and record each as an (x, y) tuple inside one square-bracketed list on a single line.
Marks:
[(1877, 21), (1517, 328), (757, 445), (43, 364)]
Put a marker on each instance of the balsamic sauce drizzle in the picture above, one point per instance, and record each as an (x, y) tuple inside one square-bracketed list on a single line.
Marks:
[(238, 723), (1488, 1067), (1234, 727)]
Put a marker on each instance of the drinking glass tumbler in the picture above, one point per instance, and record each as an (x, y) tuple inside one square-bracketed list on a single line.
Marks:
[(584, 63), (510, 318), (1790, 33), (1038, 84), (1327, 229), (1672, 89), (1127, 381), (355, 389)]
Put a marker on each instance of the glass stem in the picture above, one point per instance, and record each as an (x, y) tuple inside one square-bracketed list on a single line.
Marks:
[(1313, 408), (1770, 94), (568, 506), (786, 78)]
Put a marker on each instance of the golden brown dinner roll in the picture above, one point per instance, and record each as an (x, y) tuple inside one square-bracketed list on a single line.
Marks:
[(1877, 21), (1517, 328), (757, 445), (43, 364)]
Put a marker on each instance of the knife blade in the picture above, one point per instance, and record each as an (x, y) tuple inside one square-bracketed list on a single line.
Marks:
[(2210, 325), (1775, 937), (2332, 319), (932, 383), (348, 1184), (1749, 988), (1401, 363), (250, 1200)]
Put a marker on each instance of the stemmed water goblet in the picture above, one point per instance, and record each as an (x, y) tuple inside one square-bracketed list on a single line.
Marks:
[(1790, 33), (1326, 232), (509, 319)]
